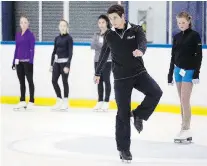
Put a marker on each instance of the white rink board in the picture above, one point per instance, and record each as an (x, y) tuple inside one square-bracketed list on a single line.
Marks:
[(156, 60)]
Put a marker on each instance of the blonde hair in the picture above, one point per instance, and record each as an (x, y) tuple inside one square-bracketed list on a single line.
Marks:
[(63, 20), (187, 16), (24, 16)]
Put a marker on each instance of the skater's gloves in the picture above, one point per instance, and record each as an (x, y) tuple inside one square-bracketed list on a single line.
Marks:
[(51, 68), (196, 77), (171, 84), (195, 81), (97, 79), (170, 79), (137, 53), (13, 67), (196, 74)]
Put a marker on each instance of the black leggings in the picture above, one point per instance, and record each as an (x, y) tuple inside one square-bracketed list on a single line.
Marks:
[(105, 77), (25, 69), (57, 71)]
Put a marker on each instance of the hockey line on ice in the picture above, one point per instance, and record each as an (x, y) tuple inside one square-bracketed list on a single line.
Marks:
[(78, 155)]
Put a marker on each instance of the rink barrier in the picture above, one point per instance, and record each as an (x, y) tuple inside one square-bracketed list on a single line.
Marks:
[(86, 103), (88, 44)]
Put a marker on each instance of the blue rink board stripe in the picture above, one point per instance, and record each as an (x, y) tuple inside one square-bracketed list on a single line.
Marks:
[(88, 44)]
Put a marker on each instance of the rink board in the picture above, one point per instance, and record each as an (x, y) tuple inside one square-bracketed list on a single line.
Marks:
[(83, 91), (84, 103)]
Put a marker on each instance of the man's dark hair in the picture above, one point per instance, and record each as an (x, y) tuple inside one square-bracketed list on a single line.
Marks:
[(116, 9), (106, 19)]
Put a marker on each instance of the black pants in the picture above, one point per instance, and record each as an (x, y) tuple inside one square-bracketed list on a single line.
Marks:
[(57, 71), (25, 69), (123, 90), (105, 78)]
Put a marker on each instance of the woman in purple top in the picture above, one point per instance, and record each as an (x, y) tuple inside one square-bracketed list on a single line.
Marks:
[(23, 61)]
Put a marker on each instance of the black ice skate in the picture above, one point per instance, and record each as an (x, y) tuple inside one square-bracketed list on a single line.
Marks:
[(125, 155), (138, 123)]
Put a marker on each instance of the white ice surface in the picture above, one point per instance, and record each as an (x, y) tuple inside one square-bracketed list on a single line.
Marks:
[(82, 137)]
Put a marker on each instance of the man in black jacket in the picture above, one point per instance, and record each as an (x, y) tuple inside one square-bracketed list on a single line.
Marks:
[(127, 44)]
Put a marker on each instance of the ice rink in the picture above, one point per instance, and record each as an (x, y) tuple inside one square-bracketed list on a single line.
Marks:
[(81, 137)]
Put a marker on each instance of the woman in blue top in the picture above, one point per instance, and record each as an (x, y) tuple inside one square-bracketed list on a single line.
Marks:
[(185, 65), (23, 61)]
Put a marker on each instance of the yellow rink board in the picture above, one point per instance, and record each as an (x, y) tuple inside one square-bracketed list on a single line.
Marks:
[(86, 103)]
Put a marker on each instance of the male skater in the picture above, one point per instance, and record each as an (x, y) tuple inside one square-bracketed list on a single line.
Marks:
[(127, 44)]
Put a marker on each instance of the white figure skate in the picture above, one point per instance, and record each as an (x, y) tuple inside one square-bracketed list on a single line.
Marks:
[(184, 136), (105, 106), (21, 106), (98, 106)]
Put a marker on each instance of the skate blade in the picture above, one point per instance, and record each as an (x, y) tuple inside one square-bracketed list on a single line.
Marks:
[(59, 110), (64, 110), (30, 109), (20, 109), (105, 110), (184, 141), (96, 110), (125, 161), (100, 110)]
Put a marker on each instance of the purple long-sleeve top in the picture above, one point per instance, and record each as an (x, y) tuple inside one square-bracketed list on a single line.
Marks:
[(25, 45)]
